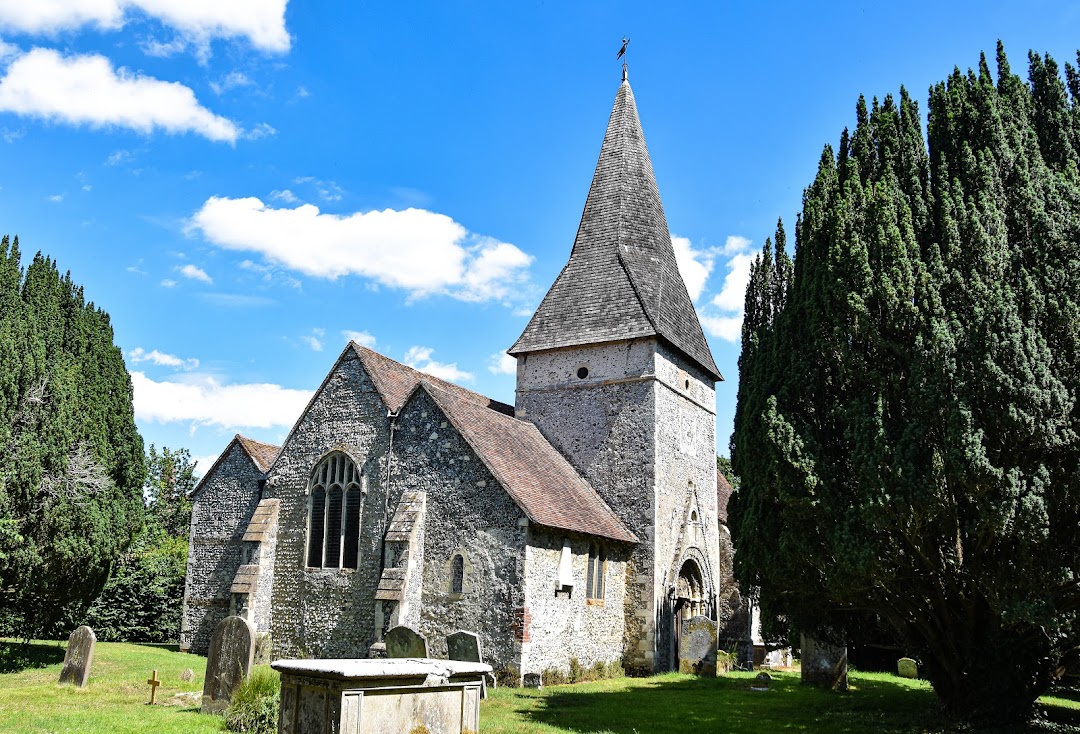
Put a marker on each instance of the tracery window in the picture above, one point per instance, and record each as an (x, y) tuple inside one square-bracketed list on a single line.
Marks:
[(335, 500), (594, 582)]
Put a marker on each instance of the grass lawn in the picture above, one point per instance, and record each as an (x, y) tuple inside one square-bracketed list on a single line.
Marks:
[(31, 702)]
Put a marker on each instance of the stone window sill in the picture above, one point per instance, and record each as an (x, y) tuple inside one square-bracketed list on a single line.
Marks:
[(594, 602), (455, 597)]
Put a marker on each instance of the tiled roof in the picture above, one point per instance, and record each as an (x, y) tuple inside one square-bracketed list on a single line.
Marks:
[(723, 496), (396, 382), (263, 454), (622, 280), (536, 476)]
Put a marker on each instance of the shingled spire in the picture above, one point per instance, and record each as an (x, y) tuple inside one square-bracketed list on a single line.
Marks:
[(622, 280)]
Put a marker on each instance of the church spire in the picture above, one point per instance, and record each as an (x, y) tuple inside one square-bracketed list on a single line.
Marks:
[(622, 280)]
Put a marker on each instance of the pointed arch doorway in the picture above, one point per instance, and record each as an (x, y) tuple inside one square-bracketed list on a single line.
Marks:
[(689, 601)]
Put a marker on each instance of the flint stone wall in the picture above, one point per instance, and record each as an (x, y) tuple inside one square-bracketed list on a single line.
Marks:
[(330, 612), (220, 515), (570, 625), (641, 428), (469, 513), (602, 424)]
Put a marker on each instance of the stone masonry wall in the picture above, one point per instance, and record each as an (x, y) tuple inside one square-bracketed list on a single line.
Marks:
[(222, 508), (685, 484), (603, 424), (569, 625), (330, 612), (467, 513)]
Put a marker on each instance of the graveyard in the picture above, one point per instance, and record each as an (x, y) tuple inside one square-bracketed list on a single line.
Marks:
[(116, 695)]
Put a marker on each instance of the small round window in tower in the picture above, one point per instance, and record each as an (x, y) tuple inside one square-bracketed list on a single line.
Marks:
[(582, 372)]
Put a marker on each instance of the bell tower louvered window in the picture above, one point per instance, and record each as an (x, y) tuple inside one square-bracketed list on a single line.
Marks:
[(335, 502)]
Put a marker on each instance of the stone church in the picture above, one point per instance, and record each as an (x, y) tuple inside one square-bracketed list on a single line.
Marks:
[(583, 521)]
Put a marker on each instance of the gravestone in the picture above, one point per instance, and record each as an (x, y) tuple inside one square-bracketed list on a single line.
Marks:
[(228, 662), (464, 646), (402, 642), (79, 656), (762, 681), (188, 675), (532, 680), (697, 646), (907, 668), (823, 665)]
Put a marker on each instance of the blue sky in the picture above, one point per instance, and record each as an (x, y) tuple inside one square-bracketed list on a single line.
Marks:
[(245, 185)]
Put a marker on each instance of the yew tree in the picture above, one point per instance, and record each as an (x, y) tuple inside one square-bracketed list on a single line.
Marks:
[(907, 423)]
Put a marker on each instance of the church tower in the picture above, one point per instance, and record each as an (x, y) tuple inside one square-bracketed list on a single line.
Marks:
[(614, 370)]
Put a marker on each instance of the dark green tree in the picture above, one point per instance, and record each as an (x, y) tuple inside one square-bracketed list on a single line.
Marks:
[(143, 598), (71, 464), (907, 424)]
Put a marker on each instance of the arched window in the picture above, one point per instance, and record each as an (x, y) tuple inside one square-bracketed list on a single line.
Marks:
[(594, 582), (457, 575), (334, 517)]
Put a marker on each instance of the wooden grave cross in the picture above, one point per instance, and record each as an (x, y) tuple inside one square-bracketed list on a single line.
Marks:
[(154, 683)]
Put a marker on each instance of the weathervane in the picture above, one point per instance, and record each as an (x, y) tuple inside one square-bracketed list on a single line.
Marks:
[(622, 52)]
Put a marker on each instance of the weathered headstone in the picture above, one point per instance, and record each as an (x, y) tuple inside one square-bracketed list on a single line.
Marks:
[(402, 642), (464, 646), (532, 680), (79, 656), (907, 668), (228, 662), (762, 681), (823, 665), (697, 646), (188, 675)]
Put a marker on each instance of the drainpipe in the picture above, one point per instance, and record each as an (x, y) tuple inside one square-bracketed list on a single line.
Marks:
[(392, 416)]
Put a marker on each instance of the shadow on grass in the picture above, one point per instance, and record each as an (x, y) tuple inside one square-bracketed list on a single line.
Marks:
[(167, 646), (729, 704), (16, 656)]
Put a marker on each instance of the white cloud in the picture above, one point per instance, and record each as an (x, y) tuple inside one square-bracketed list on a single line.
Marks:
[(362, 338), (723, 318), (138, 354), (420, 358), (204, 463), (87, 187), (56, 198), (232, 80), (694, 265), (202, 400), (416, 250), (88, 90), (195, 273), (8, 50), (262, 22), (168, 283), (284, 195), (728, 328), (117, 157), (502, 363), (736, 244), (312, 341), (327, 190), (732, 296), (262, 130)]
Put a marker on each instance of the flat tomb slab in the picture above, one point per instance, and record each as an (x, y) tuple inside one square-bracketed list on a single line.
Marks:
[(370, 696)]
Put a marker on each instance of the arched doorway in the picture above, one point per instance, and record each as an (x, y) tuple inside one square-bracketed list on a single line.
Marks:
[(689, 600)]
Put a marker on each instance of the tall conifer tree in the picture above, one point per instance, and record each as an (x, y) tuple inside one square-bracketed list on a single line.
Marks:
[(71, 460), (907, 425)]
